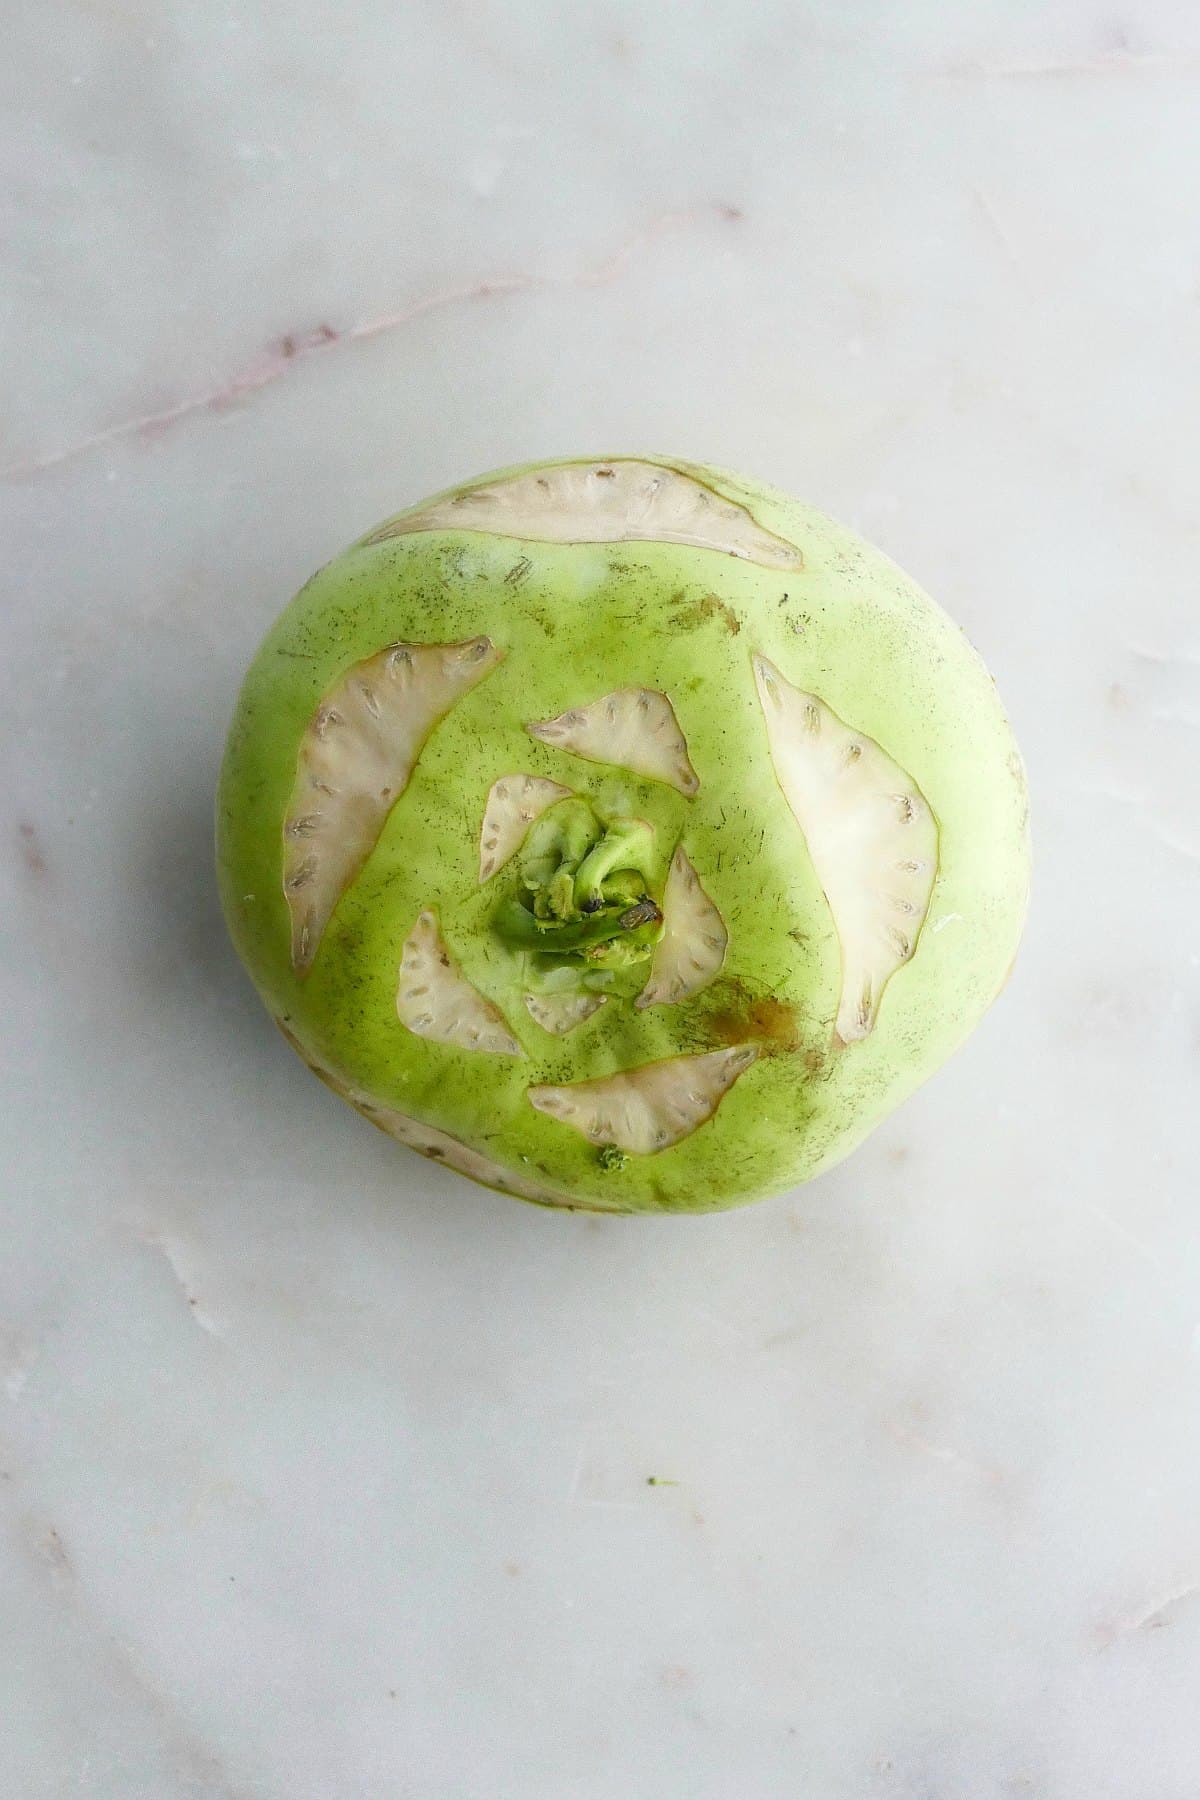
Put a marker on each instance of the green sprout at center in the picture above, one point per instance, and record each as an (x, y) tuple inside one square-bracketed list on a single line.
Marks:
[(583, 898)]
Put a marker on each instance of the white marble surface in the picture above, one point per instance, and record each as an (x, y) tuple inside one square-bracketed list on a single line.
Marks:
[(323, 1474)]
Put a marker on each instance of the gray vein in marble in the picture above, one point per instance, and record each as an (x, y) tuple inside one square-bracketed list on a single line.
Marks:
[(1115, 62), (1142, 806), (1126, 1236), (17, 1357), (32, 854), (1151, 1617), (178, 1259), (989, 1477), (50, 1557), (1191, 658), (991, 218), (1156, 1615), (292, 348)]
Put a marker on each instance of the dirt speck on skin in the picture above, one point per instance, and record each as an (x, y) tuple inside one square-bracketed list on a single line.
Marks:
[(709, 606), (32, 854)]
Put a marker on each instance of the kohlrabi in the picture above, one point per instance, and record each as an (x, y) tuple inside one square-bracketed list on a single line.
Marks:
[(621, 833)]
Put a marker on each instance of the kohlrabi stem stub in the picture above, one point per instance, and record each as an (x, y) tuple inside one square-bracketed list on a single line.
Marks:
[(622, 834)]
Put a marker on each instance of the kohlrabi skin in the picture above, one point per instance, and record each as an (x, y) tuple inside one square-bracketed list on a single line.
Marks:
[(622, 833)]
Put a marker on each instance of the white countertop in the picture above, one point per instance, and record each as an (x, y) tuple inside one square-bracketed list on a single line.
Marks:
[(324, 1475)]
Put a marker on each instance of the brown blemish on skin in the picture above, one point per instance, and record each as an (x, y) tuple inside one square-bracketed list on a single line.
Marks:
[(748, 1019), (699, 612), (31, 850)]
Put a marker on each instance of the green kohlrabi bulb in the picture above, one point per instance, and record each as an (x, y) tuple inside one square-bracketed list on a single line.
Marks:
[(622, 833)]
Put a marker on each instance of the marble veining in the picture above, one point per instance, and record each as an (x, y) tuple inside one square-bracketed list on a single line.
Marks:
[(276, 361)]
